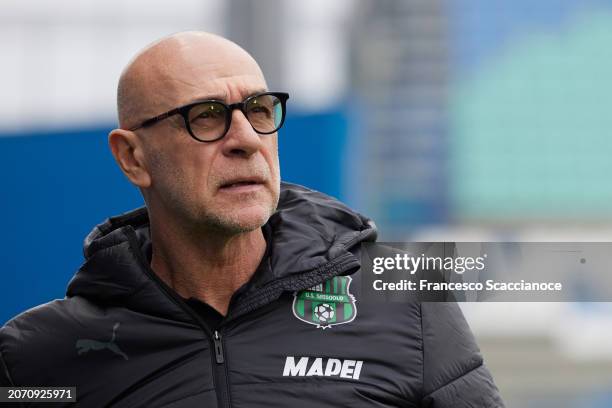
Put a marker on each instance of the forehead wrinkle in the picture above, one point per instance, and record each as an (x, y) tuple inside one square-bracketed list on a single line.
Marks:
[(217, 90)]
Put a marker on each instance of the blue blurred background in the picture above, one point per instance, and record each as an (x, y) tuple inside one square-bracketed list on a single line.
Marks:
[(442, 120)]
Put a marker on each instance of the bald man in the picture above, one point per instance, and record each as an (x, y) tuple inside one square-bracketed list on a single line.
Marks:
[(230, 288)]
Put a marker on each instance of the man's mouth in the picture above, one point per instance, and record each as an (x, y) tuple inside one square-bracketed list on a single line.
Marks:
[(241, 184)]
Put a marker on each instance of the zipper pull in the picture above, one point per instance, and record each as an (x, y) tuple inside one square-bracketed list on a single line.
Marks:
[(218, 348)]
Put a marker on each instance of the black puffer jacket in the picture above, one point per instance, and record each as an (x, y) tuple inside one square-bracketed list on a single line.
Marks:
[(296, 336)]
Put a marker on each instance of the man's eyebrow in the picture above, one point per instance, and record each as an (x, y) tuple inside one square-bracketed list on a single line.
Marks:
[(257, 91), (209, 97), (223, 96)]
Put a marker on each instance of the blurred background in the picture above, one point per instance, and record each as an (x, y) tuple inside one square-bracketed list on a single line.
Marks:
[(457, 120)]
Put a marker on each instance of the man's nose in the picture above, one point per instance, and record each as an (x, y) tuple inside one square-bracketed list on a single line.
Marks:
[(241, 139)]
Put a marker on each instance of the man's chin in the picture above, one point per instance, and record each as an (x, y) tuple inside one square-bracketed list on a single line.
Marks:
[(242, 220)]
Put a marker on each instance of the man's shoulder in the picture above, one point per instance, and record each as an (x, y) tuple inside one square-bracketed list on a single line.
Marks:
[(41, 333), (34, 323)]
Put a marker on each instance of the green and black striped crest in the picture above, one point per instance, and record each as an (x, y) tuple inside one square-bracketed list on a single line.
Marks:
[(326, 304)]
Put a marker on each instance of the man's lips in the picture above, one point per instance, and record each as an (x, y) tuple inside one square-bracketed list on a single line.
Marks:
[(241, 183)]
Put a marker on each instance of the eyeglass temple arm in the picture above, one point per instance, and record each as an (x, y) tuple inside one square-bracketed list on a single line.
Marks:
[(155, 119)]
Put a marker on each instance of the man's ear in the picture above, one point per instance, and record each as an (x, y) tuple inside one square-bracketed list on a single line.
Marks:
[(128, 152)]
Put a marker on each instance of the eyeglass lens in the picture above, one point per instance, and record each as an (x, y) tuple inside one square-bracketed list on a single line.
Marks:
[(208, 120)]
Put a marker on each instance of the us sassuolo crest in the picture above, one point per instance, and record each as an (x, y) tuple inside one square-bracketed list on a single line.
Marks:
[(327, 304)]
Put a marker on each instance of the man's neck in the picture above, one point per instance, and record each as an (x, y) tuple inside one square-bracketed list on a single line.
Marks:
[(206, 266)]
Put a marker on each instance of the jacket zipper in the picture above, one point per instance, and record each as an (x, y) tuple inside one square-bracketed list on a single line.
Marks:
[(222, 380), (218, 348)]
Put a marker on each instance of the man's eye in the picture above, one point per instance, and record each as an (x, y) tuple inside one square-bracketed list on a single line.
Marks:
[(209, 114), (260, 110), (202, 117)]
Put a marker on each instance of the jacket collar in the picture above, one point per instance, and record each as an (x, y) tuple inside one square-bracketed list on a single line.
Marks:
[(311, 239)]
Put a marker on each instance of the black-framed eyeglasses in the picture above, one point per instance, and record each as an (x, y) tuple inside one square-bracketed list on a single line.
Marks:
[(208, 121)]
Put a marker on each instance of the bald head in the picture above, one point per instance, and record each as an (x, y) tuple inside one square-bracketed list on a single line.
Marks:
[(161, 76)]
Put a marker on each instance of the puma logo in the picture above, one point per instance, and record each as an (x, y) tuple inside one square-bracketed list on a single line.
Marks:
[(85, 345)]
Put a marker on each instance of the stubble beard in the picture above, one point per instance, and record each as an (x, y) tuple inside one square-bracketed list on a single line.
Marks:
[(209, 216), (233, 222)]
